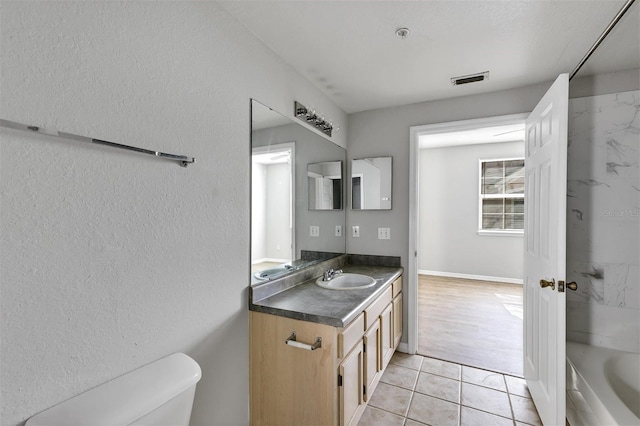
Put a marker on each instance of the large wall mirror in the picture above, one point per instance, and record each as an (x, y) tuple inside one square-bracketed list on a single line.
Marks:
[(371, 183), (286, 233)]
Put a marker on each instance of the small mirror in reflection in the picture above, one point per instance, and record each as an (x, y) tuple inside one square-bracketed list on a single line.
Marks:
[(371, 184), (325, 185)]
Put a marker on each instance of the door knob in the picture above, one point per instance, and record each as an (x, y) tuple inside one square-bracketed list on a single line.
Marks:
[(545, 283), (572, 285)]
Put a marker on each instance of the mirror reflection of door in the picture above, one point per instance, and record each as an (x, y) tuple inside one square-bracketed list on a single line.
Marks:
[(325, 185), (371, 183), (356, 192), (272, 200)]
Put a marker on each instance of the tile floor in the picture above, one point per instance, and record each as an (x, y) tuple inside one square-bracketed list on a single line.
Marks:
[(418, 391)]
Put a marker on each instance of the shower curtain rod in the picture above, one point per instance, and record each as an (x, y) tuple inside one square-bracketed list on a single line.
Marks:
[(604, 34), (183, 160)]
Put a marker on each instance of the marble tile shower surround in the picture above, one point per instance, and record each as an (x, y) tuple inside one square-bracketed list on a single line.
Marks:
[(603, 221)]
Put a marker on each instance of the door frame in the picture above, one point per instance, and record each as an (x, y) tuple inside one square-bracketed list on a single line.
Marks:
[(414, 202), (274, 149)]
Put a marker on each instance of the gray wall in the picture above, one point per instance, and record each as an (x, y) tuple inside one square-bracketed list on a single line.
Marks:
[(448, 237), (310, 148), (111, 260), (385, 132)]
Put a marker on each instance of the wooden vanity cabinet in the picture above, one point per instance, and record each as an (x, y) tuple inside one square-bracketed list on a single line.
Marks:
[(330, 385)]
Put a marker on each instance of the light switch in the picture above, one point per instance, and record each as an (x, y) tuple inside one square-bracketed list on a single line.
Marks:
[(356, 231), (338, 231), (314, 231), (384, 233)]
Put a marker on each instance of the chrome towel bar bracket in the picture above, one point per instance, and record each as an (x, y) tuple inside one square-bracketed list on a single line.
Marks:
[(181, 159)]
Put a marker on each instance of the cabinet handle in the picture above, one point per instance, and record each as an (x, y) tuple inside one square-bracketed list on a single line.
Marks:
[(291, 341)]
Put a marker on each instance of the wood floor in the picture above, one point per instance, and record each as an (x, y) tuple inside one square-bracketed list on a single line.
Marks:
[(469, 322)]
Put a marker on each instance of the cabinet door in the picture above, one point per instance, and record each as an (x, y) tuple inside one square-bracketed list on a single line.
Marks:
[(372, 362), (397, 320), (386, 331), (350, 384)]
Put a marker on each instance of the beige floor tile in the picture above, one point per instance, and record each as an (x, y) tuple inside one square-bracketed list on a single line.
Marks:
[(406, 360), (517, 386), (524, 410), (398, 375), (438, 386), (485, 399), (433, 411), (488, 379), (391, 398), (473, 417), (441, 368), (410, 422), (375, 417)]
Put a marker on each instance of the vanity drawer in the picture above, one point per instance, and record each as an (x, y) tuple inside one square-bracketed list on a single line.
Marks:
[(351, 335), (374, 310), (397, 287)]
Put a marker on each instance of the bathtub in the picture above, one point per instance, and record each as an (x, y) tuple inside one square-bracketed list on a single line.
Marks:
[(603, 386)]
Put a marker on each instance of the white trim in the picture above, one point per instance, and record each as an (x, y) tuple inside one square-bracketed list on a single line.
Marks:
[(414, 174), (482, 197), (501, 232), (471, 277)]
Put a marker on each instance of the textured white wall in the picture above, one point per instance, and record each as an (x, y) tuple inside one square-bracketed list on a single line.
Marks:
[(111, 260), (448, 237)]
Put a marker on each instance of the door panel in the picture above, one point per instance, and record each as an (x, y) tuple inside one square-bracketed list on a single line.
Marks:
[(351, 397), (372, 359), (545, 255)]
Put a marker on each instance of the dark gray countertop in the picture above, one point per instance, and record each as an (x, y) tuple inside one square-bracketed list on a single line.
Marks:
[(309, 302)]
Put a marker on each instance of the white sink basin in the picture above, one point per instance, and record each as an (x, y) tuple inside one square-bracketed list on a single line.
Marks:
[(347, 282)]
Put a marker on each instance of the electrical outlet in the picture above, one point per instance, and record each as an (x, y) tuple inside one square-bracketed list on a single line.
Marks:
[(338, 231), (314, 231), (384, 233), (356, 231)]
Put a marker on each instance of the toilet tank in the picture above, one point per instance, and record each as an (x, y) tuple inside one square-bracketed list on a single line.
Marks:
[(160, 393)]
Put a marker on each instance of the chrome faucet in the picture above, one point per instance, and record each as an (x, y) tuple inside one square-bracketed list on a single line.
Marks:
[(329, 274)]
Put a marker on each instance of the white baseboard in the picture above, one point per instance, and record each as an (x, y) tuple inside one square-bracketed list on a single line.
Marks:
[(403, 347), (471, 277)]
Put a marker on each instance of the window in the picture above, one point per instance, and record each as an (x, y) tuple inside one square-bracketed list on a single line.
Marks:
[(502, 195)]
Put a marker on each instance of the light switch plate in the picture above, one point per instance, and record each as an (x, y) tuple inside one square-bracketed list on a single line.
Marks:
[(356, 231), (314, 231), (338, 231), (384, 233)]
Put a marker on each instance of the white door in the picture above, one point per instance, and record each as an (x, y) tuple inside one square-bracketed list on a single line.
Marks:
[(545, 252)]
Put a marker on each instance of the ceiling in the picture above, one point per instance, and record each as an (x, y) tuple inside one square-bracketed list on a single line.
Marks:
[(350, 51)]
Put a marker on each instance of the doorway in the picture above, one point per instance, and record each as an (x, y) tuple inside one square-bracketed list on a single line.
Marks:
[(273, 218), (467, 262)]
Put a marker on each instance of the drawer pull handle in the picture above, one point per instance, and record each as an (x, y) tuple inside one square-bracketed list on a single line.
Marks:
[(291, 341)]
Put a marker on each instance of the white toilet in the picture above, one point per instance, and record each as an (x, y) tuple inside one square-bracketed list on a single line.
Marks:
[(160, 393)]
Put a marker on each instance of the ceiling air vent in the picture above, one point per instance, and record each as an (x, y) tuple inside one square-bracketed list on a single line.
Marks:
[(473, 78)]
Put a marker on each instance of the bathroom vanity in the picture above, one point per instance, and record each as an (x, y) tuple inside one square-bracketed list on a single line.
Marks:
[(317, 354)]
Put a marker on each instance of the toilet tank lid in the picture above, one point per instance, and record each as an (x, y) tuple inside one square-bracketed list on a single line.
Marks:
[(126, 398)]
